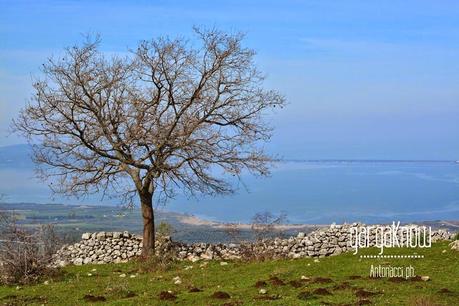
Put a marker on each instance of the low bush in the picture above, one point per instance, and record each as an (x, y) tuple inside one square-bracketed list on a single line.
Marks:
[(25, 255)]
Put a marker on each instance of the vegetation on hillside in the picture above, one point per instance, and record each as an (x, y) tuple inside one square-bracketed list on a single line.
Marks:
[(342, 279)]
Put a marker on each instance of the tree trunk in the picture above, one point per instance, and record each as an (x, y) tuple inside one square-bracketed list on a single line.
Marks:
[(146, 202)]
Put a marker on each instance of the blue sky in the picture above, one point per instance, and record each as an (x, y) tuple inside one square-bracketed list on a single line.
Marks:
[(364, 79)]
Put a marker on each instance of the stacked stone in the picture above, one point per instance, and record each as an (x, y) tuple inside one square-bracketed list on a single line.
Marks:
[(114, 247), (100, 248), (442, 235)]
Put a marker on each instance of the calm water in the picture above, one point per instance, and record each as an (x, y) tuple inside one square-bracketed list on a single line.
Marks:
[(311, 192), (316, 192)]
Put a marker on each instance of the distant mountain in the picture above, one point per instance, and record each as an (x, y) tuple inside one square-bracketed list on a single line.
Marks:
[(16, 156)]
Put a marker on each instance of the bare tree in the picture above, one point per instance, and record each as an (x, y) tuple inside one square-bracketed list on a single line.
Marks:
[(170, 115), (233, 231), (265, 224)]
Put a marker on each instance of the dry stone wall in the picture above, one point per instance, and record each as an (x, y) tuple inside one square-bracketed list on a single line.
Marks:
[(115, 247)]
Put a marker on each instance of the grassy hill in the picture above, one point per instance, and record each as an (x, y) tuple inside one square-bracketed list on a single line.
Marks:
[(335, 280)]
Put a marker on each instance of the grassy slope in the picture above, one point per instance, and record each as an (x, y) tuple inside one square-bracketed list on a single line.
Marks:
[(238, 280)]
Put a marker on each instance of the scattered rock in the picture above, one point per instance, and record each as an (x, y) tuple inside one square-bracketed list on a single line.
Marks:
[(177, 280), (454, 245), (425, 278), (263, 291)]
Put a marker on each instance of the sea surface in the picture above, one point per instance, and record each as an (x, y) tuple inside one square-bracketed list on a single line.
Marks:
[(342, 191), (307, 191)]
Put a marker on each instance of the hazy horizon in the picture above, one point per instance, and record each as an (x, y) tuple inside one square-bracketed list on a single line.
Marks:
[(309, 191)]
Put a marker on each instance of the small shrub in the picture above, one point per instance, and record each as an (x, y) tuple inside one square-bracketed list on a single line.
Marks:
[(265, 225), (162, 261), (164, 229), (233, 232), (25, 255), (456, 236), (257, 251)]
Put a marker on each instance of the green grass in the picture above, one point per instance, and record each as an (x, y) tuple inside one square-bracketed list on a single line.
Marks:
[(238, 280)]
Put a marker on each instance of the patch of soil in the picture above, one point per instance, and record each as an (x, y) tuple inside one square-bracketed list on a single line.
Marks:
[(322, 291), (417, 278), (220, 295), (364, 302), (362, 293), (306, 295), (166, 296), (194, 289), (343, 286), (353, 277), (295, 283), (24, 300), (130, 294), (276, 281), (271, 297), (444, 290), (397, 279), (94, 298), (322, 280), (260, 284)]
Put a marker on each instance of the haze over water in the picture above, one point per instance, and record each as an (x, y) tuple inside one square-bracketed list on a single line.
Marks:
[(308, 191)]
